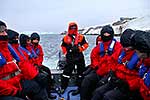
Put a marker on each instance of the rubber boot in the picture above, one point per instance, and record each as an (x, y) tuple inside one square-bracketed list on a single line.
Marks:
[(64, 84), (79, 80)]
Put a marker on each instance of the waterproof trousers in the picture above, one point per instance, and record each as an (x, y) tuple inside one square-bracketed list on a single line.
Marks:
[(100, 91), (67, 73), (50, 82), (88, 85), (117, 94), (10, 98), (33, 90)]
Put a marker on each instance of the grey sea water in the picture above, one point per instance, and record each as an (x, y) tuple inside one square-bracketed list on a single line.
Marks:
[(51, 47)]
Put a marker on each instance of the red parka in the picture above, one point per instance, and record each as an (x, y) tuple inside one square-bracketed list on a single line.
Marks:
[(39, 52), (28, 70), (11, 85), (128, 75), (105, 63), (144, 90)]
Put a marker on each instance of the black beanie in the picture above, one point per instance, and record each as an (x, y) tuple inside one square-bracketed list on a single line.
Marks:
[(141, 41), (23, 40), (34, 36), (12, 35), (2, 24), (125, 38), (107, 29)]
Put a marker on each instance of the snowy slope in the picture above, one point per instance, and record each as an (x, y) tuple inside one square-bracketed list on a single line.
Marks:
[(142, 23)]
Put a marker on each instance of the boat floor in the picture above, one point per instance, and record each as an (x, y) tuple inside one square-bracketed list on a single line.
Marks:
[(64, 96)]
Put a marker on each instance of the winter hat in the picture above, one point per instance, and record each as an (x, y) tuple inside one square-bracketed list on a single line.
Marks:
[(34, 36), (2, 26), (73, 28), (12, 36), (23, 39), (141, 41), (125, 38), (107, 29)]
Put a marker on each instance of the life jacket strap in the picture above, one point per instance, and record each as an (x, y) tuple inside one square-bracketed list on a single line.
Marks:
[(11, 75)]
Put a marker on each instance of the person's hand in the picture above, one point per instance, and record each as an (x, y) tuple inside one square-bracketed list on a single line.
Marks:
[(103, 81)]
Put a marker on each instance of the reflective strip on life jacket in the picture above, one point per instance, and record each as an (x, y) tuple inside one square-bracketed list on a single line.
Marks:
[(146, 79), (66, 76), (110, 48), (142, 70)]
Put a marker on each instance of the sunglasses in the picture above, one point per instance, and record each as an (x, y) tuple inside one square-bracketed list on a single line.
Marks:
[(73, 27)]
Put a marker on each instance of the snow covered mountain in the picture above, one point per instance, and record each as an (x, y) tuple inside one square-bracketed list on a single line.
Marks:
[(140, 23)]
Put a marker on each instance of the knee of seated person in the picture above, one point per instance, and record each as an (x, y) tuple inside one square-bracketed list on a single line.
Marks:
[(42, 79), (35, 86)]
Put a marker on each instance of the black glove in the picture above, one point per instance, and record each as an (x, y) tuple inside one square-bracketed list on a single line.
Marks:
[(103, 81), (42, 79)]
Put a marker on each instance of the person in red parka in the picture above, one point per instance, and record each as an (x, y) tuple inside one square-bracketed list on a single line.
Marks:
[(35, 39), (104, 54), (123, 83), (28, 69), (141, 43), (12, 83)]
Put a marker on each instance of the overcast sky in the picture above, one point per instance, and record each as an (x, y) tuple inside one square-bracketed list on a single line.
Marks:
[(54, 15)]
